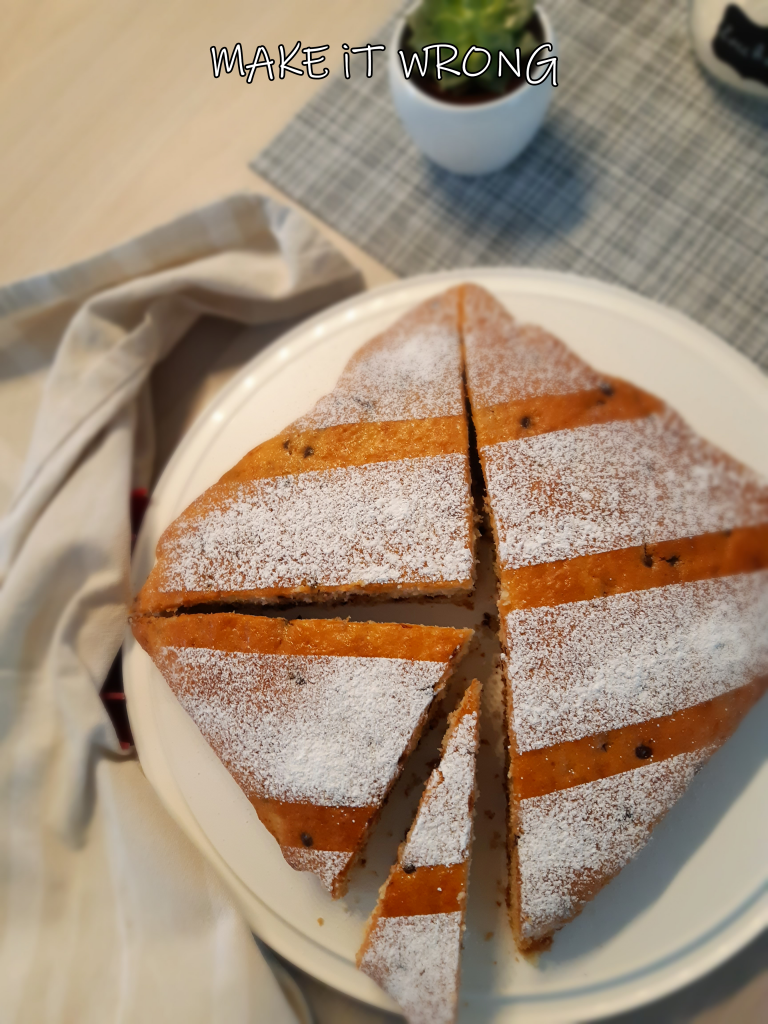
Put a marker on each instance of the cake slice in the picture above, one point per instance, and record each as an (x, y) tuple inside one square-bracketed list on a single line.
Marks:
[(412, 945), (312, 718), (633, 565), (369, 493)]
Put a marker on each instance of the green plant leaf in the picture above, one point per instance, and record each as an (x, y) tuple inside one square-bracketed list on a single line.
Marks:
[(492, 24)]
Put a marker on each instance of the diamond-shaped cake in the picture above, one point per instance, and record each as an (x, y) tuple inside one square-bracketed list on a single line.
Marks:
[(632, 558)]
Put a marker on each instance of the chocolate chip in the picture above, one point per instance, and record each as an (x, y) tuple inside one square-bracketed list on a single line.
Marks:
[(296, 677), (525, 422), (643, 752), (491, 621), (627, 814), (606, 388), (308, 451), (647, 559), (307, 839), (287, 445), (672, 560), (409, 868)]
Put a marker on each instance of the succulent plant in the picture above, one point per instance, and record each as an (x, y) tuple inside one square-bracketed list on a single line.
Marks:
[(493, 24)]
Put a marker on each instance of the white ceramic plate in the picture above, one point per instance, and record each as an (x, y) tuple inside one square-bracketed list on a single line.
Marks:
[(693, 897)]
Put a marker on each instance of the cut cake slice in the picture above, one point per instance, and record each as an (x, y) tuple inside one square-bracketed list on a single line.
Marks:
[(369, 493), (312, 718), (633, 564), (412, 945)]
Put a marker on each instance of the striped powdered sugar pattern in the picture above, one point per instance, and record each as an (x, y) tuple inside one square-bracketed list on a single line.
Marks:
[(404, 521), (573, 837), (614, 485), (324, 729), (590, 666)]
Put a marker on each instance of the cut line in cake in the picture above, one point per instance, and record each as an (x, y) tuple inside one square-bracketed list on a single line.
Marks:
[(412, 946)]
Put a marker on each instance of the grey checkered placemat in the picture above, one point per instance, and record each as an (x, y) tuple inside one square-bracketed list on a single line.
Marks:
[(646, 174)]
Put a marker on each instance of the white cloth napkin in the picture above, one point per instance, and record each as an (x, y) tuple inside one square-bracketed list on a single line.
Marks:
[(107, 911)]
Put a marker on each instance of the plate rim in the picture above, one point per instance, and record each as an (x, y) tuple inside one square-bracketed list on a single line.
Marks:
[(627, 991)]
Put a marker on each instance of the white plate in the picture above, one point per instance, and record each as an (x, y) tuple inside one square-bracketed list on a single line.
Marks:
[(693, 897)]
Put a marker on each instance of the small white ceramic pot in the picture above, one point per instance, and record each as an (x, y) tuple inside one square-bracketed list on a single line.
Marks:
[(470, 138)]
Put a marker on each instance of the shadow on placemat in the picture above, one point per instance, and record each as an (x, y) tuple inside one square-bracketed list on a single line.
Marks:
[(646, 174)]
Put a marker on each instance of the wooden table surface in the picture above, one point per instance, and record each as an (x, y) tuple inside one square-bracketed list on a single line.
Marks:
[(111, 122)]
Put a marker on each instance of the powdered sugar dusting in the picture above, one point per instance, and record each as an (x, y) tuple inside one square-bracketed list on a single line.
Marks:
[(416, 960), (614, 485), (573, 840), (507, 361), (587, 667), (326, 864), (406, 521), (443, 827), (412, 372), (329, 730)]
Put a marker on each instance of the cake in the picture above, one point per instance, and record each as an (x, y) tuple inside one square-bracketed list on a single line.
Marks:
[(412, 945), (312, 718), (632, 558), (633, 576), (368, 494)]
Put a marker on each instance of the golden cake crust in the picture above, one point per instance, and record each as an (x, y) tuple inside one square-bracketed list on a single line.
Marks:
[(232, 631)]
